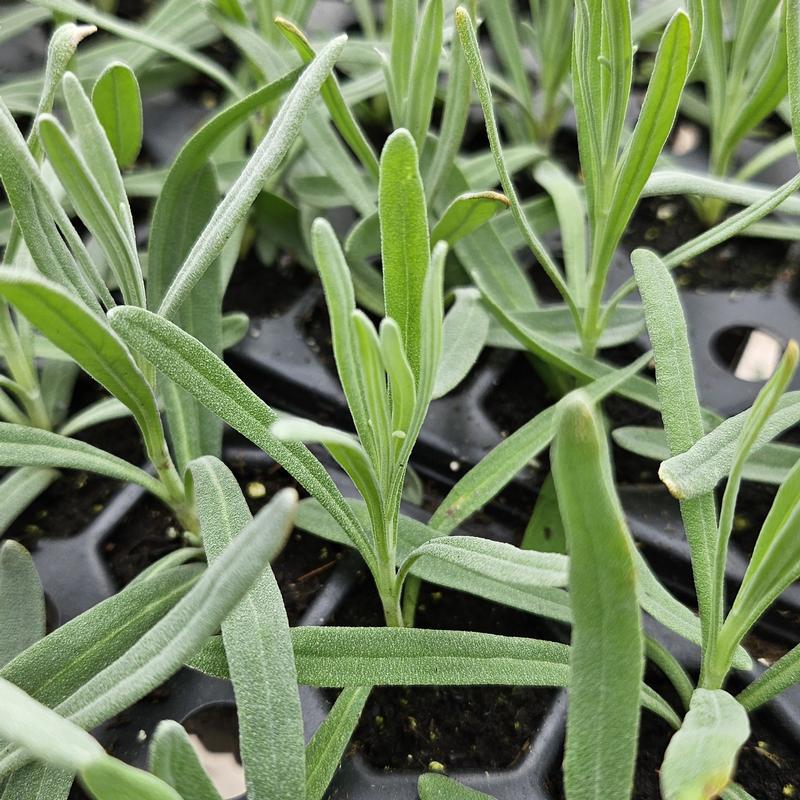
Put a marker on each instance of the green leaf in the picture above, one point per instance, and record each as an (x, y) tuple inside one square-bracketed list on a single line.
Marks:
[(701, 757), (699, 470), (91, 343), (405, 244), (571, 210), (327, 746), (257, 641), (784, 673), (25, 446), (454, 121), (466, 214), (439, 787), (556, 323), (793, 61), (118, 104), (43, 733), (425, 71), (340, 112), (102, 411), (774, 565), (170, 642), (498, 561), (401, 54), (109, 779), (94, 208), (680, 409), (22, 616), (401, 379), (466, 327), (545, 530), (37, 782), (337, 657), (652, 129), (769, 464), (97, 153), (340, 299), (501, 464), (344, 447), (19, 488), (543, 601), (469, 42), (57, 665), (607, 647), (192, 366), (43, 221), (264, 161), (185, 204), (173, 759)]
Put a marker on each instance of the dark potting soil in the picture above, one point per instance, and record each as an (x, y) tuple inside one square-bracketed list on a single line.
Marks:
[(265, 290), (149, 532), (517, 396), (66, 507), (768, 768), (484, 727), (664, 223)]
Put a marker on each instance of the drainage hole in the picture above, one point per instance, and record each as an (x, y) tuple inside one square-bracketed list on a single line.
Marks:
[(750, 354), (214, 732)]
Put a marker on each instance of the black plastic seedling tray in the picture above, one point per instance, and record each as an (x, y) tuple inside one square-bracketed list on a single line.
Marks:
[(76, 575)]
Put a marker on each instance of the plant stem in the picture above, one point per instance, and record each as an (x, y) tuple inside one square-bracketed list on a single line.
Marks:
[(22, 370)]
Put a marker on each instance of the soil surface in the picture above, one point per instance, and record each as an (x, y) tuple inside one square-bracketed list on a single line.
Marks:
[(482, 727), (265, 290), (665, 223), (149, 531), (66, 507), (767, 768)]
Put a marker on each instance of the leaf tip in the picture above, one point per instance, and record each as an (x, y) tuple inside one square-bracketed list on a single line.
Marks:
[(674, 488)]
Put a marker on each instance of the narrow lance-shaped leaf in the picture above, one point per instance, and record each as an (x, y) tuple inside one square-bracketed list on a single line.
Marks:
[(90, 342), (42, 220), (58, 742), (717, 656), (680, 408), (59, 664), (775, 563), (701, 757), (405, 244), (97, 152), (496, 469), (21, 602), (269, 154), (425, 71), (466, 327), (94, 208), (651, 132), (440, 787), (607, 648), (699, 469), (338, 657), (173, 759), (327, 746), (340, 112), (466, 214), (25, 446), (118, 104), (793, 61), (257, 642), (337, 284), (171, 642)]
